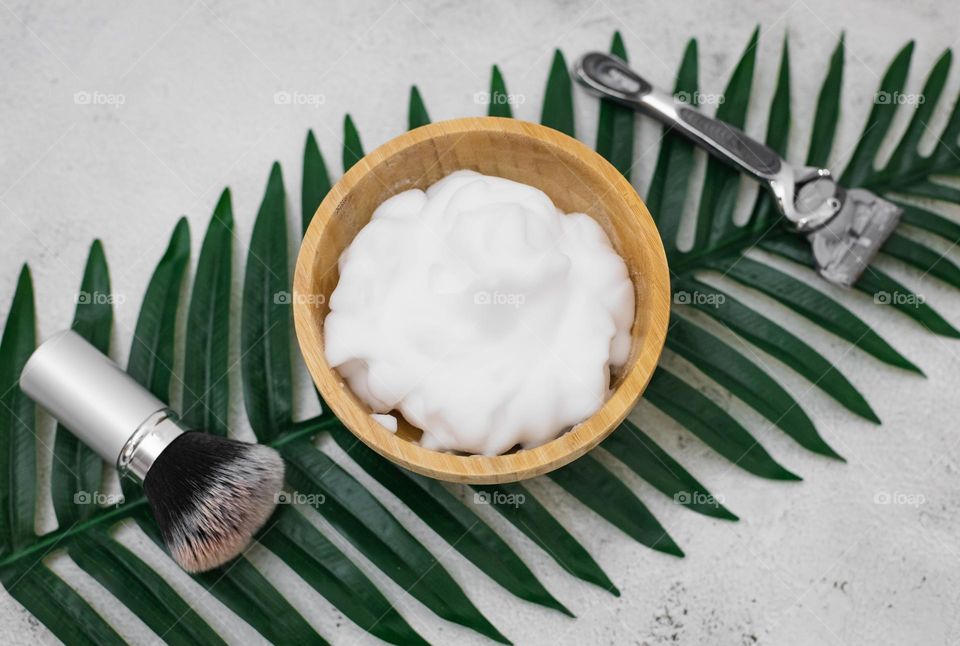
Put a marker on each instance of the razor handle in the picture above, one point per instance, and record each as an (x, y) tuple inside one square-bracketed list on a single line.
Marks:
[(611, 78)]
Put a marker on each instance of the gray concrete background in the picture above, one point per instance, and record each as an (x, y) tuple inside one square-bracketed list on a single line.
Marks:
[(819, 562)]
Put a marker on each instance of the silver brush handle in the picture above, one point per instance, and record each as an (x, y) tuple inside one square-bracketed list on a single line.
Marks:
[(100, 403), (611, 78)]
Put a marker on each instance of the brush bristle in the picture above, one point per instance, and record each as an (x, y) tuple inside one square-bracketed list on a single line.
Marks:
[(210, 495)]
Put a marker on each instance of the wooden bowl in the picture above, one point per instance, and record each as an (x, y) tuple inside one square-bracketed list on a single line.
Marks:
[(578, 180)]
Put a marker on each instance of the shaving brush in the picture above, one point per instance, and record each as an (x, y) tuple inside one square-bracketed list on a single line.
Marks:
[(209, 494)]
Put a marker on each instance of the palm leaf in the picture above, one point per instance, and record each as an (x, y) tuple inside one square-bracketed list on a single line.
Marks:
[(875, 282), (778, 134), (671, 176), (557, 110), (416, 112), (454, 521), (812, 304), (646, 459), (331, 573), (499, 99), (827, 115), (861, 162), (316, 180), (140, 589), (741, 376), (18, 461), (205, 400), (373, 530), (57, 605), (352, 148), (615, 125), (265, 326), (152, 355), (587, 480), (526, 513), (720, 247), (712, 424)]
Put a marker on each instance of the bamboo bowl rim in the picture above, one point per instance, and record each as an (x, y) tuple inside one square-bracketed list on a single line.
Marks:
[(633, 377)]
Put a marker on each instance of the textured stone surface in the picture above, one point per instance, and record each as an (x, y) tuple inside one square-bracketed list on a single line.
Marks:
[(810, 563)]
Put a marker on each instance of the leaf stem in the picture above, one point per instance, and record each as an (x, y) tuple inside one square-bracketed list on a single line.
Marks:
[(48, 542), (696, 261)]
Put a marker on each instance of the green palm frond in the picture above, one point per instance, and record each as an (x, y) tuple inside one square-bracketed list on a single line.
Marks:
[(720, 247)]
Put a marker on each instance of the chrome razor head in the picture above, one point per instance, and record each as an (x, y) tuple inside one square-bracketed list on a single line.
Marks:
[(845, 227), (848, 242)]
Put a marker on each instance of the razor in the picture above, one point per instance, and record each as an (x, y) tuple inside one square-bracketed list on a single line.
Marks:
[(845, 227)]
